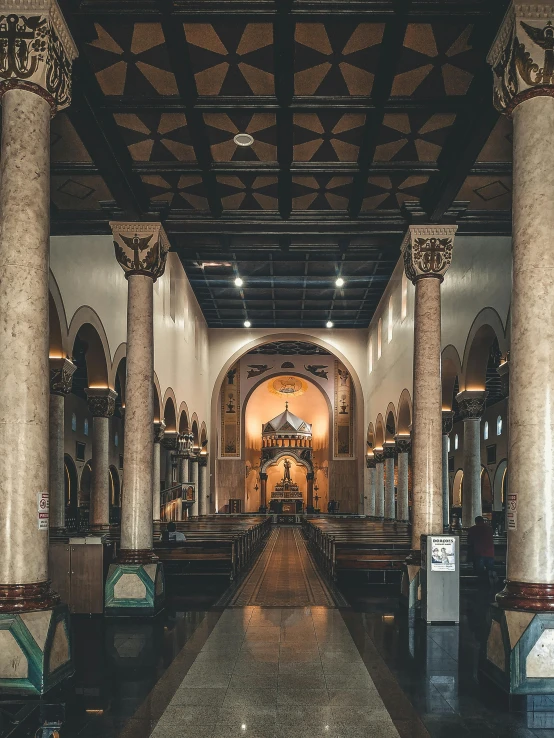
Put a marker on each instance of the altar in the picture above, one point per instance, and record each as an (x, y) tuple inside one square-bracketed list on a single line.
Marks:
[(286, 498)]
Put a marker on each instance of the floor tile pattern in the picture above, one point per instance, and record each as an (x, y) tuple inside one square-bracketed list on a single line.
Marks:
[(284, 576), (277, 673)]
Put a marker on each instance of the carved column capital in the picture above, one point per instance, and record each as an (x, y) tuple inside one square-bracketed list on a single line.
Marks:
[(159, 431), (203, 460), (389, 450), (36, 50), (403, 444), (447, 422), (521, 56), (140, 248), (170, 440), (471, 404), (101, 401), (370, 461), (427, 251), (379, 455), (61, 376)]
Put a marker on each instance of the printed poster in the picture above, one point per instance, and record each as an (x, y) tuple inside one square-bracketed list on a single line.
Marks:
[(511, 512), (443, 553)]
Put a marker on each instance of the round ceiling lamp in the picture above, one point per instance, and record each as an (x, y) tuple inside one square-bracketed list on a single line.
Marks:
[(329, 324), (339, 282), (238, 282), (247, 324), (243, 139)]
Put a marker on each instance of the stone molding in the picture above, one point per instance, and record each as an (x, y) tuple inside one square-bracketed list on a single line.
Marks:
[(471, 404), (447, 422), (39, 51), (521, 55), (101, 401), (140, 248), (61, 376), (159, 431), (403, 444), (427, 251)]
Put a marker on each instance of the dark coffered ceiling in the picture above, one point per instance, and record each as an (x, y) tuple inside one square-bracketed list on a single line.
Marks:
[(365, 116)]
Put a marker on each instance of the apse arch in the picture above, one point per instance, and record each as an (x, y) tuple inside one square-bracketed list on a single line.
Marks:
[(404, 418), (169, 405), (486, 327)]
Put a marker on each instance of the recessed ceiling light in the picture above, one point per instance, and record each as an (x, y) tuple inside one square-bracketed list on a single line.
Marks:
[(247, 324), (329, 324), (243, 139), (339, 282), (238, 282)]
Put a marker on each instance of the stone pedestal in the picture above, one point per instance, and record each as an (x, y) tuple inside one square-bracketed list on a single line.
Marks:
[(61, 374), (159, 430), (35, 652), (371, 485), (135, 583), (403, 444), (390, 506), (447, 424), (379, 482), (471, 406), (101, 403)]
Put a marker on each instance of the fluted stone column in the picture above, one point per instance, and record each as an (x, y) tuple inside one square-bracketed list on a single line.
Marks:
[(159, 430), (101, 404), (371, 484), (403, 444), (447, 423), (61, 375), (379, 482), (194, 480), (427, 255), (389, 450), (136, 583), (521, 60), (471, 405), (35, 83), (203, 485)]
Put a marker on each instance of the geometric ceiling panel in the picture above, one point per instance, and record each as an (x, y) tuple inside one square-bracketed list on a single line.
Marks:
[(338, 59), (131, 60), (79, 192), (327, 136), (232, 58), (156, 136), (487, 192), (321, 192), (499, 145), (413, 136), (437, 59), (181, 191), (248, 192), (65, 143), (222, 127), (390, 192)]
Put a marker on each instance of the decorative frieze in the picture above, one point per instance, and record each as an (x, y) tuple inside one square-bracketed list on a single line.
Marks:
[(140, 248), (36, 50), (101, 401), (61, 376), (427, 251), (522, 55)]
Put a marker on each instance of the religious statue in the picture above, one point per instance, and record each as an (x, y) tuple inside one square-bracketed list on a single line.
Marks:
[(287, 466)]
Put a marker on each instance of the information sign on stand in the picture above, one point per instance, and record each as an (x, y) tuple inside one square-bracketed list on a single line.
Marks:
[(43, 510), (440, 579)]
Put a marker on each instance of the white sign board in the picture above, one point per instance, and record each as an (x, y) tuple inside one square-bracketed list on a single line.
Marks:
[(443, 553), (511, 512), (43, 510)]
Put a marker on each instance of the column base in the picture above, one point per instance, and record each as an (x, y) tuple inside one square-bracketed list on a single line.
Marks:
[(136, 589), (410, 588), (35, 650), (519, 652)]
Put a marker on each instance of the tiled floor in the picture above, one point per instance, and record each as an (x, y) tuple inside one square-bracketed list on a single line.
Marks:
[(277, 673)]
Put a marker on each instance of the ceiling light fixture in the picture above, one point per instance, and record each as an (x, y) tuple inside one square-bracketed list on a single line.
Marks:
[(243, 139), (329, 324), (339, 282), (247, 324), (238, 282)]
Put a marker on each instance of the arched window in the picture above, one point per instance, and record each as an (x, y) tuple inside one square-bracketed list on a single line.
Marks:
[(379, 336), (73, 422), (404, 308), (85, 427), (116, 440), (390, 320), (499, 426), (486, 430), (448, 444), (456, 442)]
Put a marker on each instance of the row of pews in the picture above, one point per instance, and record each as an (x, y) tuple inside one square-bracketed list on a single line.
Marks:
[(217, 545)]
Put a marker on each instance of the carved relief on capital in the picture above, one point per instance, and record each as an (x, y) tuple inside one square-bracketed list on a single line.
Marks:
[(378, 455), (101, 401), (36, 50), (403, 444), (203, 460), (427, 251), (170, 440), (61, 376), (159, 431), (370, 462), (471, 404), (140, 248), (522, 55), (389, 450), (447, 422)]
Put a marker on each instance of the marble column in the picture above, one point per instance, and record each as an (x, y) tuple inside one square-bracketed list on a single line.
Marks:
[(33, 86), (310, 489), (379, 482), (101, 404), (403, 444), (427, 254), (194, 477), (471, 406), (203, 485), (263, 489), (447, 423), (136, 584), (389, 450), (159, 430), (184, 469), (371, 485), (61, 375), (524, 89)]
